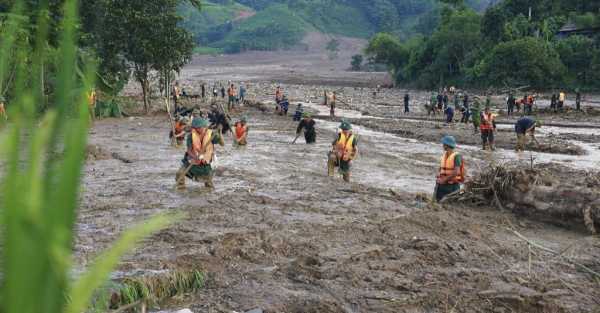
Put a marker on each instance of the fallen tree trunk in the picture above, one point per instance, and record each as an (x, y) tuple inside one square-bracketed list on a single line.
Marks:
[(549, 192)]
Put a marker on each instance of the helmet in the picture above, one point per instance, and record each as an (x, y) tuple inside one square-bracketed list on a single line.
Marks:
[(244, 119), (449, 141), (538, 124), (306, 114), (346, 125), (199, 123)]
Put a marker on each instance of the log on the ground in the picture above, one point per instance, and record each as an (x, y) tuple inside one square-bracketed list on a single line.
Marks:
[(546, 190)]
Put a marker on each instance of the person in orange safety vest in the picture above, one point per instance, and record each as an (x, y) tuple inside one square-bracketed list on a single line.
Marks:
[(241, 132), (487, 127), (343, 152), (451, 172)]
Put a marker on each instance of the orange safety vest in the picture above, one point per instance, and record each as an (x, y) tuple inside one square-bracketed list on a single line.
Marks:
[(179, 128), (487, 121), (240, 130), (447, 168), (201, 147), (344, 147)]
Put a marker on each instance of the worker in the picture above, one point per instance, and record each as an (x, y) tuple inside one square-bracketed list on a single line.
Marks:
[(325, 98), (406, 103), (528, 109), (284, 105), (299, 113), (510, 104), (553, 102), (231, 99), (488, 100), (488, 126), (308, 125), (476, 114), (466, 113), (449, 114), (525, 125), (451, 172), (242, 93), (3, 114), (432, 108), (196, 163), (222, 92), (440, 102), (466, 100), (332, 104), (203, 92), (578, 99), (219, 120), (215, 92), (562, 97), (343, 152), (241, 132), (176, 94), (179, 130), (92, 100)]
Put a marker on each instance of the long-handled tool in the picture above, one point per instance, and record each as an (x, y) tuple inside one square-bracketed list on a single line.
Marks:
[(185, 172), (294, 142)]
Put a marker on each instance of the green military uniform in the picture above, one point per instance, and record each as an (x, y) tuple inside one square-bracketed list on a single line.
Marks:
[(197, 172), (334, 160)]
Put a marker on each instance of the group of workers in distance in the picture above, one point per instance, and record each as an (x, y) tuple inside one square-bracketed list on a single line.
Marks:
[(201, 133)]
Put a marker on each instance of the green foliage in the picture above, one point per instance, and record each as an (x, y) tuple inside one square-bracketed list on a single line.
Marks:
[(503, 46), (274, 28), (43, 160), (577, 54), (220, 23), (527, 61), (147, 36), (356, 62)]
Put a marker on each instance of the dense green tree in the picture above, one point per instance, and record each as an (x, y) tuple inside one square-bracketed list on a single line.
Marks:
[(577, 54), (356, 62), (147, 36), (387, 49), (526, 61)]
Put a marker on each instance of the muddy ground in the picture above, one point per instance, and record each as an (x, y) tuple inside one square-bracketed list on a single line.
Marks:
[(279, 235)]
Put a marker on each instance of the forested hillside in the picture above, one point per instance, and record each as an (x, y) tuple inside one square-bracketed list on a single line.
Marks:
[(233, 26), (514, 43)]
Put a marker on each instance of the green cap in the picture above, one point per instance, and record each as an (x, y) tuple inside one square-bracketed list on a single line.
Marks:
[(199, 123), (346, 125), (244, 119), (538, 124), (306, 114)]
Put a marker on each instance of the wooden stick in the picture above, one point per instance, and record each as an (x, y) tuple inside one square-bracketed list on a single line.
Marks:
[(585, 268)]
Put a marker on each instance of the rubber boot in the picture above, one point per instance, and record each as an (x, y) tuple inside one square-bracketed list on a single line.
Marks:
[(346, 177), (484, 147), (180, 179), (492, 147)]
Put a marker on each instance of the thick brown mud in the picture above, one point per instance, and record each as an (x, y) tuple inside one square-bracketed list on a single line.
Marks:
[(280, 235)]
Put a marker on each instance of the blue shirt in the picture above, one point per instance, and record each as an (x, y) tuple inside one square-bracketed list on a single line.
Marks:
[(523, 124)]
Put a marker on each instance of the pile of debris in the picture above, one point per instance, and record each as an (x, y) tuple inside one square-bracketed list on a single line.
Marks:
[(552, 190)]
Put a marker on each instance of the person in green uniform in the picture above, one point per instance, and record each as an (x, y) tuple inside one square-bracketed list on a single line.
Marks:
[(196, 163), (344, 150), (451, 172), (476, 114)]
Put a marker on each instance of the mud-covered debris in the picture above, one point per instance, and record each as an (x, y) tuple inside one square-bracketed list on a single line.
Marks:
[(255, 311), (541, 189), (96, 153)]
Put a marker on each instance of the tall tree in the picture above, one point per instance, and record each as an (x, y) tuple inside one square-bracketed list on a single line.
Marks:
[(148, 37)]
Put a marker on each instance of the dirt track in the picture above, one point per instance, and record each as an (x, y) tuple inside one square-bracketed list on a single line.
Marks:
[(280, 235)]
